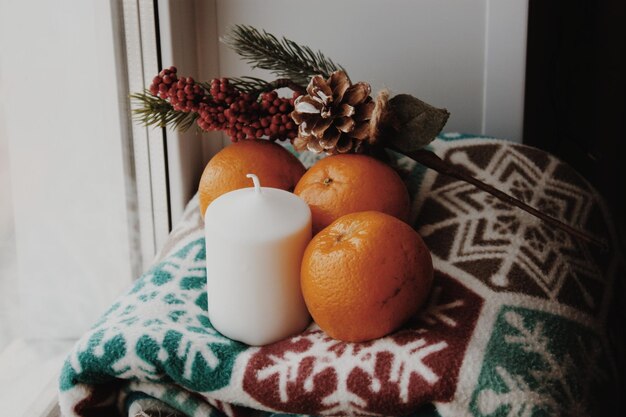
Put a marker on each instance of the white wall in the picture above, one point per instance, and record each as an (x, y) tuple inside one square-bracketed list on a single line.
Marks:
[(435, 50), (468, 56), (60, 118)]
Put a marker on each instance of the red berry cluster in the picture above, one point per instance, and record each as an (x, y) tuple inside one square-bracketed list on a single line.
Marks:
[(230, 110), (240, 115), (274, 117), (183, 93), (243, 116)]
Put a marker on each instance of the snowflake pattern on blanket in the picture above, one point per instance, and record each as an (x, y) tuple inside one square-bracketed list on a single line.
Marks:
[(159, 331), (314, 373), (540, 364), (520, 322)]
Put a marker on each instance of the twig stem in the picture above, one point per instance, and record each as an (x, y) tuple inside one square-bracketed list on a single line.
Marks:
[(431, 160), (286, 82)]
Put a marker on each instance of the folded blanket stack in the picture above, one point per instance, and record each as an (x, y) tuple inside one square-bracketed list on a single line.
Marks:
[(520, 322)]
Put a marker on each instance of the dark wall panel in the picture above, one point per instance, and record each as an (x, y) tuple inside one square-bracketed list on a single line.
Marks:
[(575, 103)]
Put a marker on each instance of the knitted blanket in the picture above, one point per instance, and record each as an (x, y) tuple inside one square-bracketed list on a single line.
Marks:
[(522, 320)]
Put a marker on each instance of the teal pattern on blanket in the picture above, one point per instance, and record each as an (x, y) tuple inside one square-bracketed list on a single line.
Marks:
[(540, 364), (516, 323), (158, 332)]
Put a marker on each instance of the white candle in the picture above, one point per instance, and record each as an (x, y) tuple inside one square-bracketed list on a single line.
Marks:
[(255, 239)]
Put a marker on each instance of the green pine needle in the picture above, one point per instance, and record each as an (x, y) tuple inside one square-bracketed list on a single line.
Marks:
[(155, 111), (251, 85), (291, 62), (283, 57)]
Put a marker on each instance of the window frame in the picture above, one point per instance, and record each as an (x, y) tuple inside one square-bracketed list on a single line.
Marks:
[(168, 163)]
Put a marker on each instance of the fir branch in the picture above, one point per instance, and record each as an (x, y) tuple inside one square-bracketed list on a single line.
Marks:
[(250, 85), (256, 86), (283, 57), (155, 111)]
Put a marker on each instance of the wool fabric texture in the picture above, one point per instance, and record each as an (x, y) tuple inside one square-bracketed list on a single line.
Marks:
[(522, 320)]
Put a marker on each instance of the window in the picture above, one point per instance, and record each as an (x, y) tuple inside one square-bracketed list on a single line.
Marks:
[(69, 214), (87, 197)]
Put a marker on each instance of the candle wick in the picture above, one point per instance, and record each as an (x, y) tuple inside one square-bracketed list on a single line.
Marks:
[(255, 181)]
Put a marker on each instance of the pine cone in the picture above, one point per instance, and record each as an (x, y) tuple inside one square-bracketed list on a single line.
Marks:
[(334, 116)]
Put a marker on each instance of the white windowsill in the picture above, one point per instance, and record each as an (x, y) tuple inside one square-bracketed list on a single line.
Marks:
[(29, 372)]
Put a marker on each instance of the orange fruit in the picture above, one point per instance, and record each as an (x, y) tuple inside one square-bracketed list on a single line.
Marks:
[(275, 166), (364, 275), (342, 184)]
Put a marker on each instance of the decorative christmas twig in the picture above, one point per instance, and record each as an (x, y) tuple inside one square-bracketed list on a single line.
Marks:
[(287, 83), (256, 86), (283, 57), (154, 111), (330, 115), (431, 160)]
